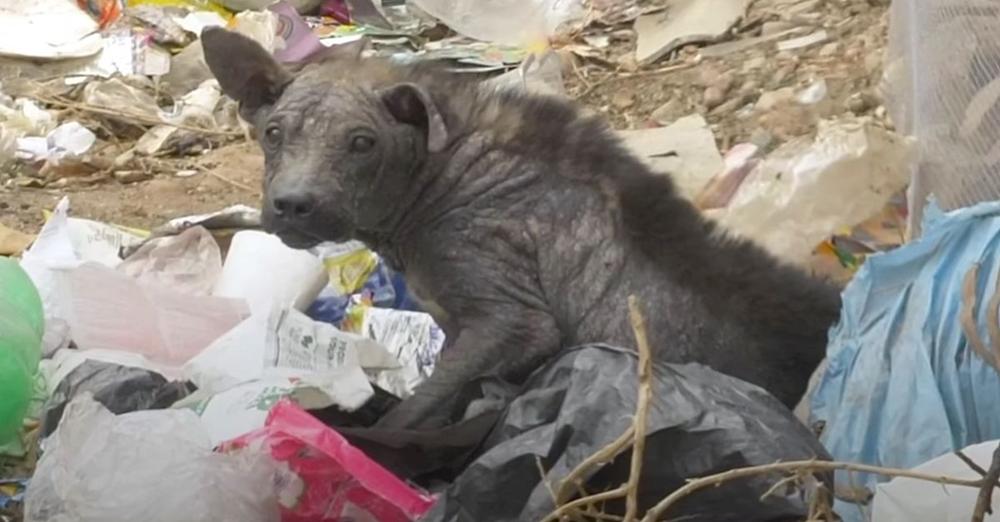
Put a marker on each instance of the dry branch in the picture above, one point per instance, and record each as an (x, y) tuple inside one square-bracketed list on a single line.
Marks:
[(984, 501)]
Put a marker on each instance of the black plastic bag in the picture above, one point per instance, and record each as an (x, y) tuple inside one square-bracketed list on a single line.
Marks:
[(700, 422), (121, 389)]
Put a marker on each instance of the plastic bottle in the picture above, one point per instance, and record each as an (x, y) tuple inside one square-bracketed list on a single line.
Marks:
[(22, 324)]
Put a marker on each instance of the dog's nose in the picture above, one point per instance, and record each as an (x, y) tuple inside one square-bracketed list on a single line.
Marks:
[(294, 206)]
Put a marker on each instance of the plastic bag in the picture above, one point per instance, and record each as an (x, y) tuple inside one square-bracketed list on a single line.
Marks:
[(509, 22), (906, 499), (119, 388), (154, 466), (324, 477), (903, 385), (701, 422)]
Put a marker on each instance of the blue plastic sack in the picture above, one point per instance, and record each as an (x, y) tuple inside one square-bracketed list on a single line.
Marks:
[(903, 384)]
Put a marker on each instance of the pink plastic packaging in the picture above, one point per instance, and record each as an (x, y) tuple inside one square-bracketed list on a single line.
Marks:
[(336, 481)]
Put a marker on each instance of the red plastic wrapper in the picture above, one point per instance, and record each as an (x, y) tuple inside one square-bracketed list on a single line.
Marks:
[(106, 12), (336, 480)]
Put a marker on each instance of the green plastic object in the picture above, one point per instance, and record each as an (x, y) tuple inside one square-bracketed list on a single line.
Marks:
[(22, 324)]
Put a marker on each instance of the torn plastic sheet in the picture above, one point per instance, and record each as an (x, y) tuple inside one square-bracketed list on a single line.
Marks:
[(153, 465), (701, 422), (903, 385), (119, 388), (109, 310)]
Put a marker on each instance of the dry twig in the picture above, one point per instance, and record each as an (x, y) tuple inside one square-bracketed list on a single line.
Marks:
[(617, 74), (232, 182), (122, 114), (811, 466), (634, 437), (967, 316), (984, 502), (641, 408)]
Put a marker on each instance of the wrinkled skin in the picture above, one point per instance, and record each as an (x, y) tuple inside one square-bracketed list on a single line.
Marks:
[(519, 224)]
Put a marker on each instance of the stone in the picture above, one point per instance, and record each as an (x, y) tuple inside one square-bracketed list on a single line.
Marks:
[(772, 99), (668, 112), (622, 100), (830, 49), (126, 177)]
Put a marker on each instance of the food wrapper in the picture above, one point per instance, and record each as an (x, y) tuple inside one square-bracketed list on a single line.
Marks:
[(323, 478), (412, 337)]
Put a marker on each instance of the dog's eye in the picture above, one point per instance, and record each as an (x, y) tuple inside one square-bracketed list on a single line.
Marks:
[(362, 143), (273, 134)]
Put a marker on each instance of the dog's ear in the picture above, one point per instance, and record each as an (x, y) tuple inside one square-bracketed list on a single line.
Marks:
[(245, 71), (411, 104)]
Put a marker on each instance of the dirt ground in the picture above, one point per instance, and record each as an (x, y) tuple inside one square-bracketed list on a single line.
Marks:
[(739, 93)]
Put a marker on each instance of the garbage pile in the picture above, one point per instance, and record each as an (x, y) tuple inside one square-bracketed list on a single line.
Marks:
[(169, 337)]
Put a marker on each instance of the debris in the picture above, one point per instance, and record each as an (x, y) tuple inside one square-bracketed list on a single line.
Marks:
[(12, 491), (666, 113), (172, 473), (13, 242), (568, 391), (916, 370), (774, 99), (815, 38), (727, 48), (121, 97), (109, 310), (47, 30), (299, 40), (286, 343), (685, 149), (813, 94), (738, 163), (189, 262), (684, 22), (413, 339), (302, 6), (323, 478), (21, 328), (262, 270), (511, 22), (122, 382), (909, 500), (126, 177), (845, 175), (537, 73), (66, 142)]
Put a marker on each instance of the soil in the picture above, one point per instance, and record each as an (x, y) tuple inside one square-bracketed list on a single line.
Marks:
[(849, 62)]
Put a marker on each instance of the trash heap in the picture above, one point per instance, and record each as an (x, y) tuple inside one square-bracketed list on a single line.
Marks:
[(167, 360)]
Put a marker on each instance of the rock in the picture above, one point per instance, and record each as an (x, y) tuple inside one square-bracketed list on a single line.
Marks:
[(668, 112), (622, 100), (783, 74), (859, 103), (126, 177), (715, 93), (733, 104), (769, 28), (749, 87), (830, 49), (751, 64), (772, 99)]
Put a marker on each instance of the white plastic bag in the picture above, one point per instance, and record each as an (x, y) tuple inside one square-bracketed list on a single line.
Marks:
[(154, 466), (507, 22), (910, 500)]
